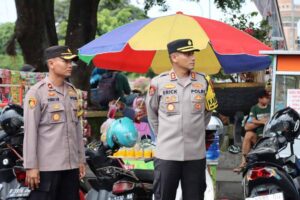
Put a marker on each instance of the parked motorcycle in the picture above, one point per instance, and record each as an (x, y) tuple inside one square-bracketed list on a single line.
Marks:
[(114, 181), (268, 176), (12, 174)]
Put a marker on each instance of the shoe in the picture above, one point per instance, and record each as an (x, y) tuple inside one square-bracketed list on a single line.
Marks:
[(240, 168), (234, 149)]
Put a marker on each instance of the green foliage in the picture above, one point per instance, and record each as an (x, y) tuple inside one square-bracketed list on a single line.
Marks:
[(11, 62), (61, 13), (6, 31), (223, 4), (111, 19), (229, 4), (243, 22)]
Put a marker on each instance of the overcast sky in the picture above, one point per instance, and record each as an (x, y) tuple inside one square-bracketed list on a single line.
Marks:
[(8, 10)]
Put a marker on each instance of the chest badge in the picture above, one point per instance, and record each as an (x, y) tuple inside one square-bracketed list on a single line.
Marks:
[(197, 85), (170, 107), (169, 86), (56, 106), (51, 94), (198, 97), (197, 106), (56, 117)]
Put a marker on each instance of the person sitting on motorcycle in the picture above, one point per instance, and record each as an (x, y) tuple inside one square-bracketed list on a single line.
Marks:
[(258, 117)]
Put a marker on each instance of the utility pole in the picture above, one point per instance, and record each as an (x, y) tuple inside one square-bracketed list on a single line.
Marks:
[(293, 24), (209, 9)]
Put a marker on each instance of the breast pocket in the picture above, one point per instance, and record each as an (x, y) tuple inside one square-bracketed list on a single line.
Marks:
[(170, 104), (197, 103), (56, 113), (74, 112)]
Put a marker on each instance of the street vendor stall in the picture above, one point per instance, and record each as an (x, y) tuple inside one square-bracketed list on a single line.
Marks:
[(285, 79)]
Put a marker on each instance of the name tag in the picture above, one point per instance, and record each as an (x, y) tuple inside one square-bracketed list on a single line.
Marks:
[(197, 91), (53, 99), (169, 92), (73, 98)]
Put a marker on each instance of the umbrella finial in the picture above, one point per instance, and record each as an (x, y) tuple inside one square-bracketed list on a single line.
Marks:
[(179, 12)]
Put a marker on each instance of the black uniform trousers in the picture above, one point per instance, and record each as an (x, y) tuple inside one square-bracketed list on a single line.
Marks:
[(57, 185), (168, 173)]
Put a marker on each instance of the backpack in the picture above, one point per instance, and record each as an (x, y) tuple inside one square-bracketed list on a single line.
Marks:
[(105, 91)]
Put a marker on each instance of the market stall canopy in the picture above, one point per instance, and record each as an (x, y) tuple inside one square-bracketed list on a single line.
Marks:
[(140, 45)]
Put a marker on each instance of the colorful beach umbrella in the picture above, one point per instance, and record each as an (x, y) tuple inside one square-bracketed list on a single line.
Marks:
[(140, 45)]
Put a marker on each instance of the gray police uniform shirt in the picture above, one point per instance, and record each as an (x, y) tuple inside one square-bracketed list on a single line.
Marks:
[(53, 134), (177, 115)]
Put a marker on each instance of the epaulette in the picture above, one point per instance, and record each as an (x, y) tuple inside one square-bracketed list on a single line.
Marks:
[(163, 74), (69, 84), (199, 73), (38, 84)]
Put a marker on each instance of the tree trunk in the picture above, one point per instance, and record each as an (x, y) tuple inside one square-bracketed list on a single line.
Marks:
[(35, 29), (82, 24)]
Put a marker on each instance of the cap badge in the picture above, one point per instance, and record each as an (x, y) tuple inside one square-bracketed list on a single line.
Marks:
[(190, 43)]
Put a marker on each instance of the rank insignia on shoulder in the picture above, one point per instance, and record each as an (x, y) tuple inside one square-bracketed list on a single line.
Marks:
[(152, 90), (173, 76), (169, 86), (193, 75), (50, 86), (32, 102)]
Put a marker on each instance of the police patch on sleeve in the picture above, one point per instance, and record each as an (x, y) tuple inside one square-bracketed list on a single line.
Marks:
[(152, 90), (32, 102)]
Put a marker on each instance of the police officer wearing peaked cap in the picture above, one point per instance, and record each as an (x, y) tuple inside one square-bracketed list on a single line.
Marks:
[(53, 147), (176, 112)]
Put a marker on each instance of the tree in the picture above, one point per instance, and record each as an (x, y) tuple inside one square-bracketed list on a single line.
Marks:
[(223, 4), (6, 30), (34, 30)]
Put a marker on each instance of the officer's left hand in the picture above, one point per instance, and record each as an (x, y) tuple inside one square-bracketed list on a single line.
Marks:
[(81, 170)]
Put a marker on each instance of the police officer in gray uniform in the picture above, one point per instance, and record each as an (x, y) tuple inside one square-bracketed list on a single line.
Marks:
[(53, 145), (177, 114)]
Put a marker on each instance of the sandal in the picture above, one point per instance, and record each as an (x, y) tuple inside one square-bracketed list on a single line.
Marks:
[(239, 169), (234, 149)]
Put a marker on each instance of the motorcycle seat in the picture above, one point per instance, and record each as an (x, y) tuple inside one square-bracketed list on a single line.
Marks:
[(262, 150), (144, 175)]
